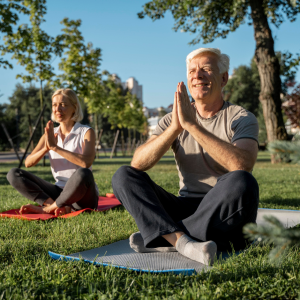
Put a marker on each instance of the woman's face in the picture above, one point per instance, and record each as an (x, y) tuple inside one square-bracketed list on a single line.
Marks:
[(62, 108)]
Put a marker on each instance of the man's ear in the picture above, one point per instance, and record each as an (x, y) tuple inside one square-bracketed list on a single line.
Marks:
[(224, 79)]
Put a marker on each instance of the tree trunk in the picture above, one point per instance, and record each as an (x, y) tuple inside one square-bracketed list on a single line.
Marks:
[(30, 131), (123, 143), (269, 72), (42, 117)]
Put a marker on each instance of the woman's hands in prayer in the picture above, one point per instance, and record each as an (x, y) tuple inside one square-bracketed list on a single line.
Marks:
[(50, 137)]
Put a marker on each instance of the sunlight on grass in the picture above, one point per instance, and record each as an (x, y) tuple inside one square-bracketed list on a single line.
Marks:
[(27, 272)]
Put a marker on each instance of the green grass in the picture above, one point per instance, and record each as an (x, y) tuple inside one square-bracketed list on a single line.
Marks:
[(27, 272)]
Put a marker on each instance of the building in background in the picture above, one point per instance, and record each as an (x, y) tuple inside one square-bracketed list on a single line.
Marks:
[(132, 85), (153, 116)]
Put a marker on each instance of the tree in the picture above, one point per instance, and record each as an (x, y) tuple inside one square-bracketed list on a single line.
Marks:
[(9, 123), (134, 113), (26, 101), (289, 151), (9, 17), (275, 234), (213, 19), (117, 105), (80, 63), (34, 48), (243, 88)]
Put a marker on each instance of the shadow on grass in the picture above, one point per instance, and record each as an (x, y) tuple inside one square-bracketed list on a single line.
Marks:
[(127, 163), (3, 181), (263, 160), (112, 162), (10, 165), (282, 202), (44, 174)]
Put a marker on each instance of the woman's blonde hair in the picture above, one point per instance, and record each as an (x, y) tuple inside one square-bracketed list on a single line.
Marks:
[(70, 94)]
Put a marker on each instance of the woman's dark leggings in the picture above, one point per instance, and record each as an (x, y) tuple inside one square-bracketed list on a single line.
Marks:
[(79, 191), (219, 216)]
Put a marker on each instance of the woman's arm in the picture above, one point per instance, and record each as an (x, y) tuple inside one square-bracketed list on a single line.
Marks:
[(84, 160), (37, 154)]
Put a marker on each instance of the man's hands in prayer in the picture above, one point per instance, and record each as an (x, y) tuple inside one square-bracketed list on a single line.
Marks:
[(183, 111), (175, 124), (50, 137)]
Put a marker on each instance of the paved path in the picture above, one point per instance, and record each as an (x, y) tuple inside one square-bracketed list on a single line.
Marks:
[(11, 156)]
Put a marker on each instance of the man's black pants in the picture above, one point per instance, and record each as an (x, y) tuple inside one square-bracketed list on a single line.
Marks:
[(219, 216)]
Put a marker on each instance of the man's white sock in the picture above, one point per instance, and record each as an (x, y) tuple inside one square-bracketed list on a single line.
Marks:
[(203, 252), (136, 243)]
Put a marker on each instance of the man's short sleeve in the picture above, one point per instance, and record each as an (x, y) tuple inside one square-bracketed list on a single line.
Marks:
[(244, 126), (163, 124)]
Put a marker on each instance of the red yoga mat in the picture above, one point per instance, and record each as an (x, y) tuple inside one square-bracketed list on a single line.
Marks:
[(104, 203)]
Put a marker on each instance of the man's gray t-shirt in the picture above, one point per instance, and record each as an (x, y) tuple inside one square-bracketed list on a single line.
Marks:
[(197, 171)]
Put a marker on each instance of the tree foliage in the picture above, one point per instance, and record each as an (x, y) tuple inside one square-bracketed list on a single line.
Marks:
[(275, 234), (23, 102), (9, 123), (119, 106), (9, 17), (80, 63), (213, 19), (32, 47), (243, 88)]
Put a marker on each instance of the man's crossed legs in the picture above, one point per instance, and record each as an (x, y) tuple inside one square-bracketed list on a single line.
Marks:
[(219, 216)]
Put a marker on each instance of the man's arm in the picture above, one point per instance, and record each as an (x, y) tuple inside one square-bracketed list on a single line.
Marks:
[(147, 155), (238, 156)]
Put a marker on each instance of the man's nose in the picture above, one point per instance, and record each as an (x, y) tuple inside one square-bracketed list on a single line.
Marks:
[(199, 73)]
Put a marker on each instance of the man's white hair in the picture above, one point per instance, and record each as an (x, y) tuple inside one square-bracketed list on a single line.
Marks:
[(223, 59)]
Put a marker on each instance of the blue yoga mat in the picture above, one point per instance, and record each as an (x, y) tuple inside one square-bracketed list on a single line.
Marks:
[(120, 255)]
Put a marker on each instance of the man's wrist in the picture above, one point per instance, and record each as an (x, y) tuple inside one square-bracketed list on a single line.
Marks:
[(192, 126), (176, 131)]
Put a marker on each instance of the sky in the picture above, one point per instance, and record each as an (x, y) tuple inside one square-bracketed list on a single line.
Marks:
[(152, 52)]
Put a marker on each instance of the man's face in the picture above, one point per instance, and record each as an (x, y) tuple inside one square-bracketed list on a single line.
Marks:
[(204, 79)]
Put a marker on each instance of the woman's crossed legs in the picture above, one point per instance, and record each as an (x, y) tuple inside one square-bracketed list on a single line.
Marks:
[(78, 193)]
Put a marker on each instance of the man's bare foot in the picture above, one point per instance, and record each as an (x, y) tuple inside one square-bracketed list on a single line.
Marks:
[(32, 209), (60, 211)]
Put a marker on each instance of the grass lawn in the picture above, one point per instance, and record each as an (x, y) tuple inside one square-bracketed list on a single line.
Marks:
[(27, 272)]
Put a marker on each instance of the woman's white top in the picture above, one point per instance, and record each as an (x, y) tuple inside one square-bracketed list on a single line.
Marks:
[(61, 168)]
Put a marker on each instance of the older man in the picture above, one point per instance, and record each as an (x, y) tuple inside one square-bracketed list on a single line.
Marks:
[(215, 147)]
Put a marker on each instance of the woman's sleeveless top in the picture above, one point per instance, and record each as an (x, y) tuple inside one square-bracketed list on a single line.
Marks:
[(61, 168)]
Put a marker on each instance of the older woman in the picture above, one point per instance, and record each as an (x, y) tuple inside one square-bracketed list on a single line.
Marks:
[(71, 149)]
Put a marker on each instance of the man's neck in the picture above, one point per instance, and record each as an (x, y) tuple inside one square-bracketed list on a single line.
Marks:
[(207, 109)]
